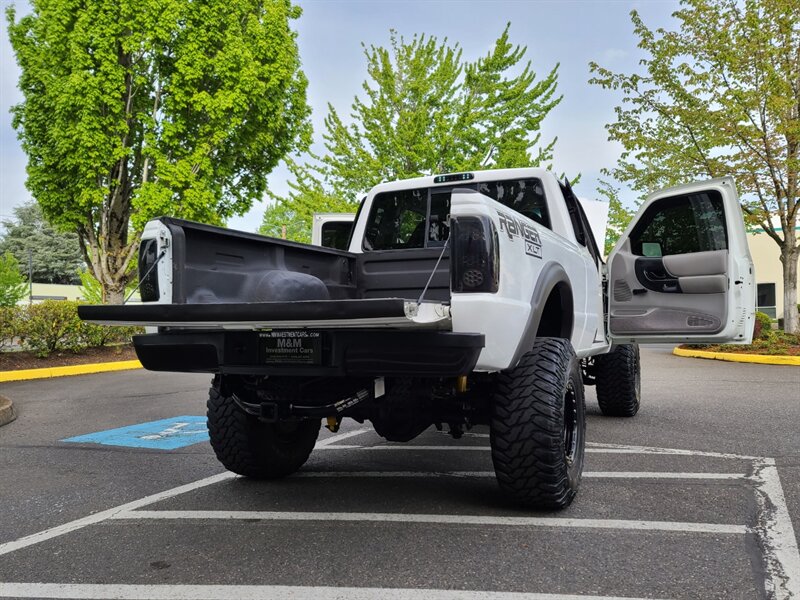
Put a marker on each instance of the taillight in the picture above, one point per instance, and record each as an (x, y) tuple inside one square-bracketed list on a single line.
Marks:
[(474, 255), (148, 278)]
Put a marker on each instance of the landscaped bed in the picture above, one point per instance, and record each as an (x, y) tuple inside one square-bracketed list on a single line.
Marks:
[(766, 341), (15, 361), (50, 334)]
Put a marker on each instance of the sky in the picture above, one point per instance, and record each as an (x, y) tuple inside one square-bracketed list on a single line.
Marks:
[(330, 33)]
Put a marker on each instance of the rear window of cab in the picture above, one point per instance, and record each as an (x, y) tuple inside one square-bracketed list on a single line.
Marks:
[(418, 218)]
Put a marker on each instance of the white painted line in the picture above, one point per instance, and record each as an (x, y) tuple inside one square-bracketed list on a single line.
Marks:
[(430, 518), (409, 447), (262, 592), (382, 474), (592, 474), (339, 437), (661, 475), (60, 530), (590, 448), (776, 534), (623, 449)]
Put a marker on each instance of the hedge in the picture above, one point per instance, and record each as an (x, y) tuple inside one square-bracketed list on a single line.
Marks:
[(54, 326)]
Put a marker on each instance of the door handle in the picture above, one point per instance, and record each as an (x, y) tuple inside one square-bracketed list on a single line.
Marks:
[(639, 291)]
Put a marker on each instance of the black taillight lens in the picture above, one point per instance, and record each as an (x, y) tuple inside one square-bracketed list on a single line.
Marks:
[(148, 254), (474, 255)]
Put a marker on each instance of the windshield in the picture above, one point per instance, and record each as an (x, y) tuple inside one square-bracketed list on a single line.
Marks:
[(418, 218)]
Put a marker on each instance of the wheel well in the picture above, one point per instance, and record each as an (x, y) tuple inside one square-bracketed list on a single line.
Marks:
[(558, 314)]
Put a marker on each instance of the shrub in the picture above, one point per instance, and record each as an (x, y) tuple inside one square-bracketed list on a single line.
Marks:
[(763, 326), (51, 326), (54, 326), (103, 335), (9, 325)]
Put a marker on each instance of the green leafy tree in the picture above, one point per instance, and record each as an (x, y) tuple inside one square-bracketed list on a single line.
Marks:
[(138, 108), (618, 216), (55, 255), (425, 109), (12, 284), (719, 95)]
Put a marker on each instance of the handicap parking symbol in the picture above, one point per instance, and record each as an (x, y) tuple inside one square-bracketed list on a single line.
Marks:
[(166, 434)]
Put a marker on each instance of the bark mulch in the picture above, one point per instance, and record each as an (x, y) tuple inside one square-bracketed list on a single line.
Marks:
[(14, 361)]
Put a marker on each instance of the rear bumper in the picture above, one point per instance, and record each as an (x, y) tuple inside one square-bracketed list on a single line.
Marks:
[(357, 352)]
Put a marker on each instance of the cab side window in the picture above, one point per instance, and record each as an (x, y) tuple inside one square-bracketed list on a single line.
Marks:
[(397, 220), (681, 225)]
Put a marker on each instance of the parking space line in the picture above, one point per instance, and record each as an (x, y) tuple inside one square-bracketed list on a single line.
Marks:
[(326, 443), (776, 533), (59, 530), (590, 448), (79, 591), (625, 449), (591, 474), (673, 526), (411, 447)]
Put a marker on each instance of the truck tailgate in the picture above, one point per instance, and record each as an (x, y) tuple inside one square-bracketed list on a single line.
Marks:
[(317, 314)]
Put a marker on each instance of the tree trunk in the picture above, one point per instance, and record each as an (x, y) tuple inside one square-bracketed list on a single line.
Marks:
[(114, 293), (789, 256)]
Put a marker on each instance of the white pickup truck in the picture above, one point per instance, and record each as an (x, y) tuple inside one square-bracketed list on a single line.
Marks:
[(462, 299)]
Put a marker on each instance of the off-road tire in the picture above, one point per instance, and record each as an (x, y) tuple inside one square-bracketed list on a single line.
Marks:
[(619, 381), (252, 448), (538, 426)]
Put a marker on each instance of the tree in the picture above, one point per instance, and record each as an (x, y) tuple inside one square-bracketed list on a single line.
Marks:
[(425, 109), (55, 255), (12, 283), (719, 95), (618, 216), (138, 108)]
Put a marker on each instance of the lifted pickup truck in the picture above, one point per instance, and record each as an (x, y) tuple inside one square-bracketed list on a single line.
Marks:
[(463, 299)]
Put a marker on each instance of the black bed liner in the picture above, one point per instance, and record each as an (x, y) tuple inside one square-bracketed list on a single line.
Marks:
[(308, 310)]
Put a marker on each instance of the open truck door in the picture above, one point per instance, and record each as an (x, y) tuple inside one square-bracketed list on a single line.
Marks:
[(682, 271)]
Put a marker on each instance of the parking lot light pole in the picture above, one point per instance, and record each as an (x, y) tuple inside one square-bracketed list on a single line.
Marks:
[(30, 276)]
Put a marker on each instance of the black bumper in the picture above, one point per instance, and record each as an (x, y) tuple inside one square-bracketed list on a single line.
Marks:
[(356, 352)]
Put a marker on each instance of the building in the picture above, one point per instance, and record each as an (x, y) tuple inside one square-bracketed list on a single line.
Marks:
[(769, 273)]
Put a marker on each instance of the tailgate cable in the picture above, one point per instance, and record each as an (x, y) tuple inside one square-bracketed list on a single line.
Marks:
[(143, 277), (436, 266)]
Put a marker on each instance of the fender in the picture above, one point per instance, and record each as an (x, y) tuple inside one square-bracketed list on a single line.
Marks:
[(551, 276)]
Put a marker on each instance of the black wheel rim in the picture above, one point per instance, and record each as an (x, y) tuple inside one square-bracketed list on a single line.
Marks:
[(570, 424)]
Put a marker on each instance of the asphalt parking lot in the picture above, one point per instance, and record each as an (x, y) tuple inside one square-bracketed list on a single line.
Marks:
[(698, 496)]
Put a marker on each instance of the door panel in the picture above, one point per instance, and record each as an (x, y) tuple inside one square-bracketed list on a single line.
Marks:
[(697, 263), (682, 271), (703, 284), (649, 299)]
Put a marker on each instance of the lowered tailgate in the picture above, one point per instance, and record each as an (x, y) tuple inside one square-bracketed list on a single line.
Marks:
[(313, 314)]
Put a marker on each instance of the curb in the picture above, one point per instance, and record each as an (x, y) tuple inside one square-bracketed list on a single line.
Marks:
[(7, 413), (761, 359), (48, 372)]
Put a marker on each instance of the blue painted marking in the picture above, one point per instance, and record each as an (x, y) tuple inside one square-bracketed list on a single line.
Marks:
[(166, 434)]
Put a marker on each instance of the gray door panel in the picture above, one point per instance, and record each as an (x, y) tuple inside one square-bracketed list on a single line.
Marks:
[(714, 262), (703, 284), (639, 307)]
